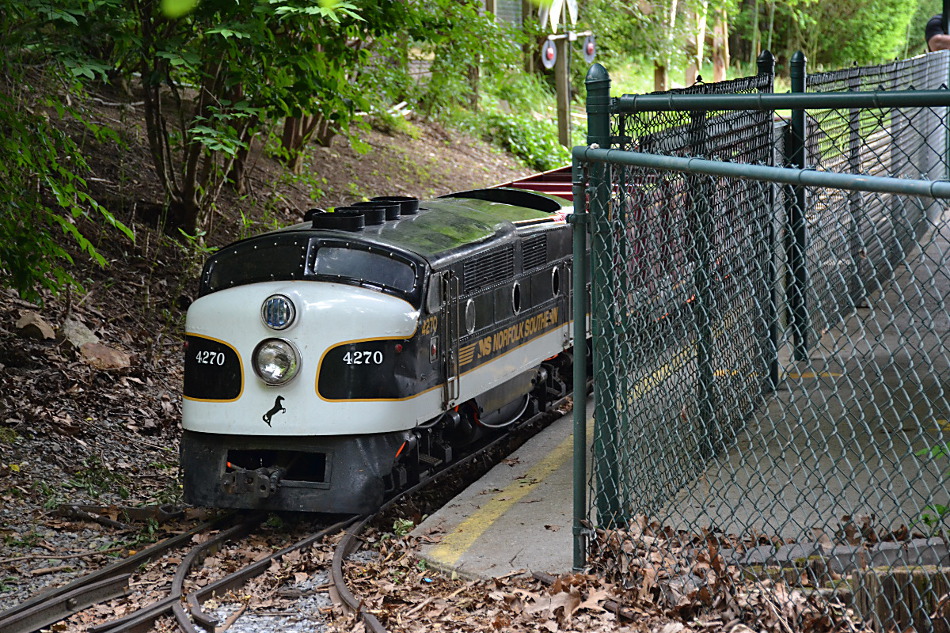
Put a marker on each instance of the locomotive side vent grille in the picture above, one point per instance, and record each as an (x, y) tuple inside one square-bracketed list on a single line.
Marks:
[(488, 269), (535, 251)]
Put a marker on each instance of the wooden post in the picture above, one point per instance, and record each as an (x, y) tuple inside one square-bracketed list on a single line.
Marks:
[(903, 598), (529, 48), (562, 78), (660, 77)]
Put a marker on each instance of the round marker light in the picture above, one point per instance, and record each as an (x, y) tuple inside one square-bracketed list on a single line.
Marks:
[(276, 361), (278, 312)]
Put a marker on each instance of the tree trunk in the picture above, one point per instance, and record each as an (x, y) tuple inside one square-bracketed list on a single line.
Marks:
[(292, 141), (756, 38), (529, 48), (720, 47), (474, 74), (184, 214), (694, 70), (661, 73), (661, 78), (323, 132), (298, 131), (237, 175)]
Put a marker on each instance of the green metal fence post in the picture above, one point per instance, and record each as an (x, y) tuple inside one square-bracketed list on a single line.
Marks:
[(766, 66), (598, 120), (797, 264), (606, 464), (579, 220)]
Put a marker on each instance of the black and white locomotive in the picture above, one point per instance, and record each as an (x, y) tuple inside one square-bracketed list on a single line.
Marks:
[(336, 360)]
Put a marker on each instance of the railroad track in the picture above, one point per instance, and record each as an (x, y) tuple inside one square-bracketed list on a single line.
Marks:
[(187, 607)]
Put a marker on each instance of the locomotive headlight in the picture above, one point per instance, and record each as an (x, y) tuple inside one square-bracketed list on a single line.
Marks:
[(278, 312), (276, 361)]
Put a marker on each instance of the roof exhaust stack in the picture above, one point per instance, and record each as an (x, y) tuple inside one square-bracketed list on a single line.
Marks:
[(342, 219)]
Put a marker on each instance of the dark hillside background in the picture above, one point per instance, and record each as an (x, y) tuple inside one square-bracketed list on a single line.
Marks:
[(99, 424)]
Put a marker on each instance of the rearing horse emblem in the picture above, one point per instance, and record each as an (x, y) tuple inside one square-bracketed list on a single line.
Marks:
[(277, 408)]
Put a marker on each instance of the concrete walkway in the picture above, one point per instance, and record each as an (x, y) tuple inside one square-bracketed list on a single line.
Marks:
[(834, 447)]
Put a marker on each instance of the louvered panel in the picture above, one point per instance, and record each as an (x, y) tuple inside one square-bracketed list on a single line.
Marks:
[(488, 269), (535, 251)]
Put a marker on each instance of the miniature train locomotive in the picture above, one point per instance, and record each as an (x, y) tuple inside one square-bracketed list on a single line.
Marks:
[(336, 360)]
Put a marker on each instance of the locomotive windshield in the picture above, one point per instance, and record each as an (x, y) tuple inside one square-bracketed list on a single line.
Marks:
[(364, 266), (292, 257), (255, 261)]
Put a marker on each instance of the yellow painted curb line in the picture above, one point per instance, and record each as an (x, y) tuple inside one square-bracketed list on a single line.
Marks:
[(457, 542)]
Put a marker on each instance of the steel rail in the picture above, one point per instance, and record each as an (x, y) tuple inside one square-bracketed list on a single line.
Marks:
[(238, 578), (64, 605), (198, 555), (350, 540), (344, 548), (147, 615), (112, 581), (61, 602)]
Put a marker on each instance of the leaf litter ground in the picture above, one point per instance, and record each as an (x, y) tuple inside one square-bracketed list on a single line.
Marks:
[(73, 436)]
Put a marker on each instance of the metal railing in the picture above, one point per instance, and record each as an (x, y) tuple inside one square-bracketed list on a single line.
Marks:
[(768, 321)]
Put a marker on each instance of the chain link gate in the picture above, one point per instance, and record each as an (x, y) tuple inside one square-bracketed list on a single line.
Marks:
[(770, 352)]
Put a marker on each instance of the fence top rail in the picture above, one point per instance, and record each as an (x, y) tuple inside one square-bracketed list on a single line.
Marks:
[(631, 104), (785, 175)]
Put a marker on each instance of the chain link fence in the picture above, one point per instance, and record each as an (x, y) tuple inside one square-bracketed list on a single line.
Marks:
[(769, 278)]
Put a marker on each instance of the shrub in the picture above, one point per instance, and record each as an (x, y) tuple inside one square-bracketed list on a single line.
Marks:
[(42, 193), (533, 141)]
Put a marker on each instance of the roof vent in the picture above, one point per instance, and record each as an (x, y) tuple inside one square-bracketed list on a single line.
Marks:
[(371, 215), (308, 216), (391, 209), (407, 204), (342, 219)]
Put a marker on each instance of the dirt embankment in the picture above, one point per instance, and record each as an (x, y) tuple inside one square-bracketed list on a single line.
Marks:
[(75, 429)]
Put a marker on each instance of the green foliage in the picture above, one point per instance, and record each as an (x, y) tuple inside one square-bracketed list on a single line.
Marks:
[(29, 539), (275, 522), (518, 115), (402, 527), (876, 31), (533, 141), (837, 33), (934, 452), (935, 514), (96, 478), (147, 535), (461, 42), (178, 8), (831, 33), (43, 193), (641, 31)]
